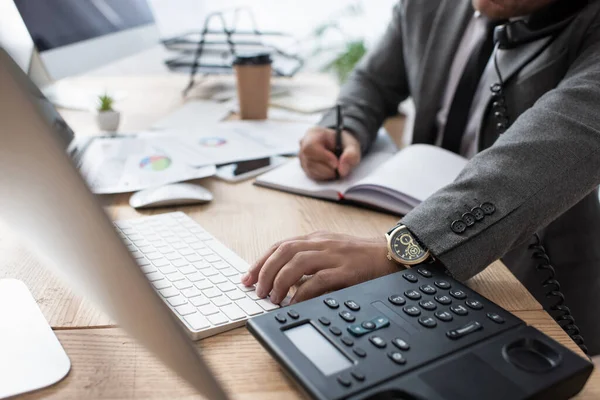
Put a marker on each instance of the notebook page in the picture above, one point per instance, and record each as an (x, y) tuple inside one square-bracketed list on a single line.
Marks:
[(416, 172)]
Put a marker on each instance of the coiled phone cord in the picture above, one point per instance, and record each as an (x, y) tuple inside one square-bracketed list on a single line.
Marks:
[(560, 312)]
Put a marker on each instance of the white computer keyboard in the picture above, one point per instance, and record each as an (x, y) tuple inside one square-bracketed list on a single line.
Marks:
[(195, 274)]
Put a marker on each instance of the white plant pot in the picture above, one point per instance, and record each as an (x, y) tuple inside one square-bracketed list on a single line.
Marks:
[(108, 120)]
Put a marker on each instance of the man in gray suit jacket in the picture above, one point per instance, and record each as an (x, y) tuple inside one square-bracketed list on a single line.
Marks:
[(540, 175)]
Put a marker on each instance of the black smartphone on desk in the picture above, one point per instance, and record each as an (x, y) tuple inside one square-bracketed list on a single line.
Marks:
[(416, 334)]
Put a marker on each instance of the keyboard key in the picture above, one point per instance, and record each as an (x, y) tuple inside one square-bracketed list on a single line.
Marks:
[(167, 269), (179, 262), (203, 284), (199, 301), (183, 285), (266, 304), (175, 277), (186, 252), (235, 294), (216, 279), (197, 321), (232, 274), (153, 256), (211, 292), (220, 264), (168, 292), (233, 312), (205, 252), (212, 258), (227, 287), (208, 309), (178, 300), (233, 259), (161, 284), (142, 261), (253, 295), (154, 276), (191, 292), (185, 309), (148, 268), (209, 271), (218, 319), (201, 264), (193, 257), (249, 306), (189, 239), (245, 288), (178, 245), (173, 256), (197, 245), (220, 301), (195, 277), (188, 269), (161, 262)]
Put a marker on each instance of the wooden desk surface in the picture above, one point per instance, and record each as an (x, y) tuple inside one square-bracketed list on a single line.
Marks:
[(108, 364)]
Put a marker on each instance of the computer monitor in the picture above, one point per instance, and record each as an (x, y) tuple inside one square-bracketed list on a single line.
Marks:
[(73, 36), (47, 202)]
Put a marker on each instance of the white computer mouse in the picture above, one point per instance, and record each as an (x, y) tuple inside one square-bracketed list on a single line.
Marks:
[(175, 194)]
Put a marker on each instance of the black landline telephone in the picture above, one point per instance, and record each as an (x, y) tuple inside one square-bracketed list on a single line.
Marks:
[(416, 334)]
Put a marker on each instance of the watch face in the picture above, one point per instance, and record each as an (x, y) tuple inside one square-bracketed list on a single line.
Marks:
[(405, 248)]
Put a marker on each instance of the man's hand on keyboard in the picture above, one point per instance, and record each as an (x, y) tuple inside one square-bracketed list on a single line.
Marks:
[(335, 261)]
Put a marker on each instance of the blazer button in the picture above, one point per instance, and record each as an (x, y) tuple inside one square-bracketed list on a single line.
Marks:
[(468, 219), (478, 213), (488, 208), (458, 226)]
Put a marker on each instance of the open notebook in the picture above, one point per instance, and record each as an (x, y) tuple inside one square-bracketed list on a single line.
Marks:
[(385, 179)]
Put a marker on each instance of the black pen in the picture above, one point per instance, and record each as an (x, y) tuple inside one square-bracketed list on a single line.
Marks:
[(339, 126)]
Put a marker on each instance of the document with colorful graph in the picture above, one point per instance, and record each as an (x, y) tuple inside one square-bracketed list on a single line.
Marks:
[(129, 163)]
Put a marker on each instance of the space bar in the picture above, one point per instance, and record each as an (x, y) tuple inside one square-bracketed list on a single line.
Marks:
[(228, 255)]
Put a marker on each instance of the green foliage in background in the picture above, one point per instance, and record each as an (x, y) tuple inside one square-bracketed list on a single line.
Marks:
[(353, 50), (345, 62), (105, 103)]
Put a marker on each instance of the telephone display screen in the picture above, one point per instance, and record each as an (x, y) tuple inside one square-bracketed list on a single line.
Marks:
[(324, 355)]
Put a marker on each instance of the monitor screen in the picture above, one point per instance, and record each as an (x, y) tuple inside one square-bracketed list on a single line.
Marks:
[(57, 23)]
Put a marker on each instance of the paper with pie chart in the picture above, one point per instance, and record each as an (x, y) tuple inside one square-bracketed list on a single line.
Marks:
[(120, 165), (234, 141)]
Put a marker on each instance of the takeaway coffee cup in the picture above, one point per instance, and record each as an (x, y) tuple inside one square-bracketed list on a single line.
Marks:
[(253, 73)]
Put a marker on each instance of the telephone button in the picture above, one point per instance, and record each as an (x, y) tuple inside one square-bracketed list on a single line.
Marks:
[(377, 341), (359, 352), (443, 284), (424, 272), (368, 325), (410, 277), (331, 303), (351, 304), (459, 310), (428, 322), (412, 294), (474, 304), (335, 330), (347, 341), (458, 294), (347, 316), (443, 316), (397, 357), (357, 330), (397, 300), (280, 318), (358, 375), (324, 321), (496, 318), (427, 305), (428, 289), (464, 331), (293, 314), (401, 344), (445, 300), (412, 311), (344, 381)]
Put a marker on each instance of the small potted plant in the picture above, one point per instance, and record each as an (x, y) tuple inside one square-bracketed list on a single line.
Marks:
[(107, 118)]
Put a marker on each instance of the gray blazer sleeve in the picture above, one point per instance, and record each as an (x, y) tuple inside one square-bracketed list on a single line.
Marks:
[(546, 162), (375, 88)]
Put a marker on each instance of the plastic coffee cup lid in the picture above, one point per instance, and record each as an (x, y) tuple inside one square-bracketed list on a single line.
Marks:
[(263, 58)]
